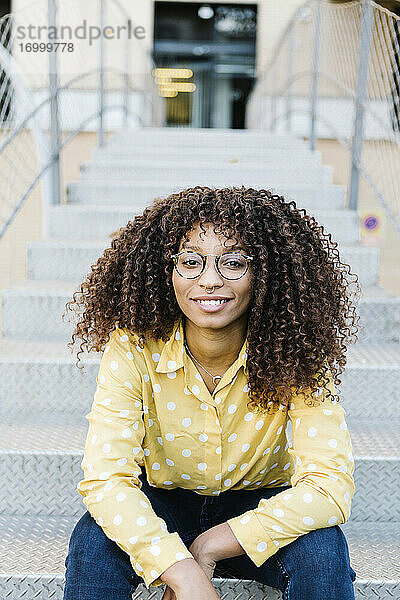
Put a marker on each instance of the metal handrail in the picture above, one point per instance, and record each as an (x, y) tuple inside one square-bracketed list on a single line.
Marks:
[(373, 29), (29, 119)]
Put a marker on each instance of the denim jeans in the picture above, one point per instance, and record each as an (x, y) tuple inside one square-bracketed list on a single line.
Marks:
[(315, 566)]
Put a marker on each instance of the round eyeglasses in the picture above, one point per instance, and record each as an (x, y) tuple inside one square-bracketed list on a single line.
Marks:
[(230, 265)]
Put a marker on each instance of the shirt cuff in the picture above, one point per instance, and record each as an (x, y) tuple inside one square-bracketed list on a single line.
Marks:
[(253, 538), (158, 557)]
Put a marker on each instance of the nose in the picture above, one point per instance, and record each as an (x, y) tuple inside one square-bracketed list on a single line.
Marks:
[(210, 275)]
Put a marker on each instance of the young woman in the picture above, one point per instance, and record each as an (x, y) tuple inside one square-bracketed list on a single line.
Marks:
[(223, 315)]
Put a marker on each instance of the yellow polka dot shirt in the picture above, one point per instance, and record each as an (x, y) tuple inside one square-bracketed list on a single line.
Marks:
[(151, 408)]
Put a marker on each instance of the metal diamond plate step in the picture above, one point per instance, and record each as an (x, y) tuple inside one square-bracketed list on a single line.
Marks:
[(32, 375), (203, 154), (45, 302), (44, 398), (225, 174), (98, 222), (309, 196), (33, 552), (71, 260), (222, 138), (41, 466)]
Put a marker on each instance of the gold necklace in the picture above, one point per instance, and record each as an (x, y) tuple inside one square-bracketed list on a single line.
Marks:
[(214, 377)]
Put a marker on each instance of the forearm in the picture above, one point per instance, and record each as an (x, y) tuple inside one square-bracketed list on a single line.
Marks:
[(188, 576), (177, 572), (218, 542)]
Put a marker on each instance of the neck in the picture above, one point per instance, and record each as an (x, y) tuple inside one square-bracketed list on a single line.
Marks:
[(216, 349)]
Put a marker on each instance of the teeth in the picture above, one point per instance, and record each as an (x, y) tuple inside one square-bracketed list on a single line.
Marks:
[(212, 302)]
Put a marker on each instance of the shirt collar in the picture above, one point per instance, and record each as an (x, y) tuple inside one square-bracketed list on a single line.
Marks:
[(173, 352), (171, 357)]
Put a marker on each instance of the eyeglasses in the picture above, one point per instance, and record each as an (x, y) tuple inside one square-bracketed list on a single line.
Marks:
[(230, 265)]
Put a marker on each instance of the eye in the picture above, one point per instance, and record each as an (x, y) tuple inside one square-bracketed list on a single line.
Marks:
[(190, 262), (233, 261)]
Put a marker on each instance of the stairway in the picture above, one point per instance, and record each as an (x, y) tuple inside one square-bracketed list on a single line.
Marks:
[(44, 397)]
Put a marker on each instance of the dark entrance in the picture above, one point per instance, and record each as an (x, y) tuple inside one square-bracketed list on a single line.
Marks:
[(217, 44)]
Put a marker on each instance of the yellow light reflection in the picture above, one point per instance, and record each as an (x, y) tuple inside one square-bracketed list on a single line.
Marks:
[(160, 80), (179, 86), (168, 93), (171, 72)]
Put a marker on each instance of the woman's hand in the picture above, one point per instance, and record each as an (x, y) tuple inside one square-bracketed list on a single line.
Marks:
[(193, 582), (203, 557), (209, 547)]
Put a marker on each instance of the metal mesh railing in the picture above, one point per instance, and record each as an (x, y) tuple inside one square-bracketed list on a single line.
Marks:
[(66, 67), (335, 73)]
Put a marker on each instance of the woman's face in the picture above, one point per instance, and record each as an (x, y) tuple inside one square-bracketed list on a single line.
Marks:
[(238, 291)]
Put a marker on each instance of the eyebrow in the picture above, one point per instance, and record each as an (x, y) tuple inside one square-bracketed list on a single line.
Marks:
[(198, 249)]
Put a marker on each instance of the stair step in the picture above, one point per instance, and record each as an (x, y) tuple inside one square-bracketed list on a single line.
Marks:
[(209, 138), (41, 467), (264, 154), (213, 172), (33, 551), (71, 260), (44, 398), (368, 384), (103, 191), (45, 302), (380, 309), (98, 222), (192, 174)]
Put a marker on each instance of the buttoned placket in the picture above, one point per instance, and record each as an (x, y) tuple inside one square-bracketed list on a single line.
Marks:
[(194, 383)]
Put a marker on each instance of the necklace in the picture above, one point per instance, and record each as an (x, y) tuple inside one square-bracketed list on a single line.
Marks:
[(214, 377)]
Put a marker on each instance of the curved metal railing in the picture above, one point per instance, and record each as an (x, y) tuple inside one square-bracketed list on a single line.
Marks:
[(335, 73), (53, 88)]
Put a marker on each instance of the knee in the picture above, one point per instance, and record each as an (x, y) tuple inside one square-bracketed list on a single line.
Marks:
[(321, 558), (326, 550), (87, 539), (95, 564)]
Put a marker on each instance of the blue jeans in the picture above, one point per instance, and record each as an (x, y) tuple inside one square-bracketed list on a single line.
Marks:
[(315, 566)]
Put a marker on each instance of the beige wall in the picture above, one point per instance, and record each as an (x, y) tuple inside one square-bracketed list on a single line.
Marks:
[(27, 225), (334, 154)]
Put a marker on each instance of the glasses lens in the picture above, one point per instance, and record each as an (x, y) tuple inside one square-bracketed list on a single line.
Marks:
[(189, 264), (232, 265)]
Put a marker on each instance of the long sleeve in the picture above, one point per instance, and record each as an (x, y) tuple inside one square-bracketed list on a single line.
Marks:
[(113, 452), (322, 482)]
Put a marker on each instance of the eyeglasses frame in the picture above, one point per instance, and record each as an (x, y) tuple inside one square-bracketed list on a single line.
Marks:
[(249, 258)]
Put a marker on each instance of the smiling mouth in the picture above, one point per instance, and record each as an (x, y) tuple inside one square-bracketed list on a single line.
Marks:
[(213, 302)]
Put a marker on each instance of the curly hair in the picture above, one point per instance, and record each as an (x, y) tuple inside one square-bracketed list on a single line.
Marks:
[(300, 314)]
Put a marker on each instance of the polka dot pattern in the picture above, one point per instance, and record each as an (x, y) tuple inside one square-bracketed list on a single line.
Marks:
[(152, 413)]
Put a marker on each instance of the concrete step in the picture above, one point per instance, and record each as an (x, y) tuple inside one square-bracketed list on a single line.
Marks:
[(33, 373), (71, 260), (86, 222), (41, 466), (103, 191), (194, 173), (33, 551), (200, 154), (45, 302)]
